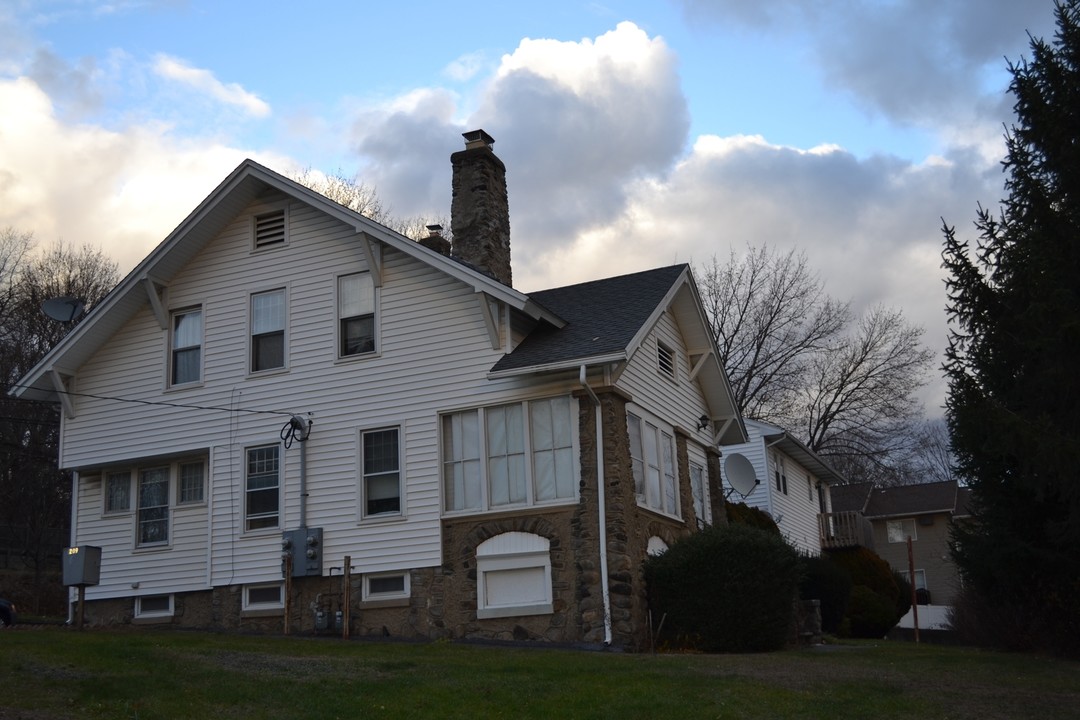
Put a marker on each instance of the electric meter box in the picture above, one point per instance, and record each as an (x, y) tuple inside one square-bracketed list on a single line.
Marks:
[(305, 547), (82, 565)]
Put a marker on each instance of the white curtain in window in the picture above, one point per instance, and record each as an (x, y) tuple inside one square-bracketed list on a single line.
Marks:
[(268, 312), (356, 295)]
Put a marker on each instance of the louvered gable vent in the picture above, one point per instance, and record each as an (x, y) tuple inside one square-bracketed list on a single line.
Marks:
[(271, 228)]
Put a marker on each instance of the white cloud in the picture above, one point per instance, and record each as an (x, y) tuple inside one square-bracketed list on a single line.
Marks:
[(466, 67), (203, 81), (121, 191)]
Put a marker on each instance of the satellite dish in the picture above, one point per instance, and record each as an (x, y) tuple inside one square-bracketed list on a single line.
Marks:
[(63, 309), (740, 474)]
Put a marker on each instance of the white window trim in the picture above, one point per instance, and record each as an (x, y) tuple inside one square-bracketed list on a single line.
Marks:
[(276, 528), (140, 613), (490, 559), (362, 515), (367, 595), (279, 605), (377, 321), (903, 524), (280, 206), (250, 359), (169, 364), (530, 490)]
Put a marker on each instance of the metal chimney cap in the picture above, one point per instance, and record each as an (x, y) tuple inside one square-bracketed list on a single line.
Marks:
[(434, 230), (477, 139)]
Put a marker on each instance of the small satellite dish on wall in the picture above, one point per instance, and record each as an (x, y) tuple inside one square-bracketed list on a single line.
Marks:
[(740, 474), (63, 309)]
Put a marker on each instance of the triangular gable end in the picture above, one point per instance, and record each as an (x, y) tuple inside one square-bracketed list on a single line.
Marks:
[(150, 277)]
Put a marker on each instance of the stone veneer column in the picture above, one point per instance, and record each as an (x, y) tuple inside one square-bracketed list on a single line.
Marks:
[(716, 487)]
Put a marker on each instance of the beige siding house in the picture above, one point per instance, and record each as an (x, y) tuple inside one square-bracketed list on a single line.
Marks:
[(288, 415)]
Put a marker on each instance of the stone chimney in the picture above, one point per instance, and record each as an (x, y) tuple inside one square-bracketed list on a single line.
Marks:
[(435, 240), (479, 210)]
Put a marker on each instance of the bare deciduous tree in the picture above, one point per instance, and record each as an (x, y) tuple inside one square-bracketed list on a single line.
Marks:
[(770, 315), (799, 358), (360, 197)]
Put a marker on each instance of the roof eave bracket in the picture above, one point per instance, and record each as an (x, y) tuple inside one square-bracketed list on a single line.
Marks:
[(154, 289), (60, 386), (370, 247)]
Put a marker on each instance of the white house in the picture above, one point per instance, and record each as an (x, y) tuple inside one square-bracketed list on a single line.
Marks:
[(789, 481), (282, 376)]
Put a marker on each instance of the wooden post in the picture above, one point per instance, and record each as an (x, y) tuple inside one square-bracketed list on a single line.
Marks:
[(914, 597), (82, 604), (288, 590), (346, 594)]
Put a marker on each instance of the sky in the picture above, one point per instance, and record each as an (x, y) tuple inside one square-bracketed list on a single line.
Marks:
[(636, 133)]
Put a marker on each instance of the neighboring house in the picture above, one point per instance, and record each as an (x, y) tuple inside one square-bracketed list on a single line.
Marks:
[(282, 376), (923, 512), (793, 482)]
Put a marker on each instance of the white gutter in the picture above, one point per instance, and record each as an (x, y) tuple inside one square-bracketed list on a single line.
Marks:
[(601, 505)]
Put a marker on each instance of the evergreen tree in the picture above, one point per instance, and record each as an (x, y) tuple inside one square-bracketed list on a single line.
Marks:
[(1013, 366)]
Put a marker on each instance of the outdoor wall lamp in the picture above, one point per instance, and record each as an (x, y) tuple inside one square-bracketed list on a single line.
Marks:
[(703, 422)]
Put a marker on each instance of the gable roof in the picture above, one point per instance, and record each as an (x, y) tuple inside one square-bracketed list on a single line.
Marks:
[(245, 184), (908, 500), (607, 321), (798, 451)]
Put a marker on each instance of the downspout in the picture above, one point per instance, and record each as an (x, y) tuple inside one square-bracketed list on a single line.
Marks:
[(601, 505)]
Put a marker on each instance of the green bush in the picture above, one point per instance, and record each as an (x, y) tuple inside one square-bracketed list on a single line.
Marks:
[(743, 514), (869, 614), (731, 587), (824, 580)]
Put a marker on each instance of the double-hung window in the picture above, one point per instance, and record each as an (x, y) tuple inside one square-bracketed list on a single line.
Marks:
[(268, 330), (356, 314), (186, 351), (153, 520), (261, 483), (652, 459), (381, 463), (697, 487), (509, 455), (898, 531)]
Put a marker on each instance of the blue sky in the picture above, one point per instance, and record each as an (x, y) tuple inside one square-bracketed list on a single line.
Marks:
[(635, 133)]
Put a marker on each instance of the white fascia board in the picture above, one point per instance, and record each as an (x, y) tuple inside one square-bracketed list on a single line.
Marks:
[(574, 364)]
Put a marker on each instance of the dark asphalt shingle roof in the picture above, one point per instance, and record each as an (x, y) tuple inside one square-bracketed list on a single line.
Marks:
[(913, 499), (602, 317), (851, 497)]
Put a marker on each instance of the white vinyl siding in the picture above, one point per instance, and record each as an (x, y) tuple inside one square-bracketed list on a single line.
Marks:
[(434, 355), (509, 455)]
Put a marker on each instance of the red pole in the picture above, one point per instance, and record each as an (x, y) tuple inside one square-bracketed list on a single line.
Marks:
[(911, 575)]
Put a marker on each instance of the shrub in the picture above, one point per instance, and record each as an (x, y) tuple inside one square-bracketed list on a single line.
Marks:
[(743, 514), (824, 580), (731, 587), (870, 615), (903, 596)]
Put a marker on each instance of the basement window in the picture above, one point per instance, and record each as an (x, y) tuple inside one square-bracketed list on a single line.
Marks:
[(263, 597), (157, 606), (386, 586), (270, 229)]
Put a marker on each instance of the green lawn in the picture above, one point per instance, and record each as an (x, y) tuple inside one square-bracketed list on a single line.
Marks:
[(61, 673)]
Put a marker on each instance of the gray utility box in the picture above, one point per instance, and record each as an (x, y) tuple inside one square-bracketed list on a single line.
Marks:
[(82, 565), (304, 545)]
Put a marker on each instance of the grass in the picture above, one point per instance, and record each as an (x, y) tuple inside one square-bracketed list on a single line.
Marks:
[(61, 673)]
